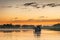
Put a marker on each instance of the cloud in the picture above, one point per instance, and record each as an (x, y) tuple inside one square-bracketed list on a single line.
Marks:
[(6, 6), (50, 5), (28, 4), (42, 17), (33, 4), (9, 6)]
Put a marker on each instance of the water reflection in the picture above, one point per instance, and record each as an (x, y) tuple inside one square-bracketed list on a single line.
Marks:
[(37, 34), (31, 35)]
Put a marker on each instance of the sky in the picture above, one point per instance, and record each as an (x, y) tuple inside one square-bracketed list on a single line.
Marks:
[(11, 10)]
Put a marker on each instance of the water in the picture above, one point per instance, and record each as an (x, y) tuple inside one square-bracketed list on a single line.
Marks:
[(30, 35)]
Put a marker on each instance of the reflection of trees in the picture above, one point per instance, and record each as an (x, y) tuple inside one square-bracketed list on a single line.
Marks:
[(37, 34)]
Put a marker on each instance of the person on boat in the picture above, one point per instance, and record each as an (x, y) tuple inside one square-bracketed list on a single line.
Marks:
[(37, 31)]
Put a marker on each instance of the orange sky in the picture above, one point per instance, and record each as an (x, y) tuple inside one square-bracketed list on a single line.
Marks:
[(31, 22), (11, 10)]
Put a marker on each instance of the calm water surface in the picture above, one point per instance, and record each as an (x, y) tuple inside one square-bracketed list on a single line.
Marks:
[(30, 35)]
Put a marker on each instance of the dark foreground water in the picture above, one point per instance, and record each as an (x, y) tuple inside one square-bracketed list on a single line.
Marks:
[(30, 35)]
